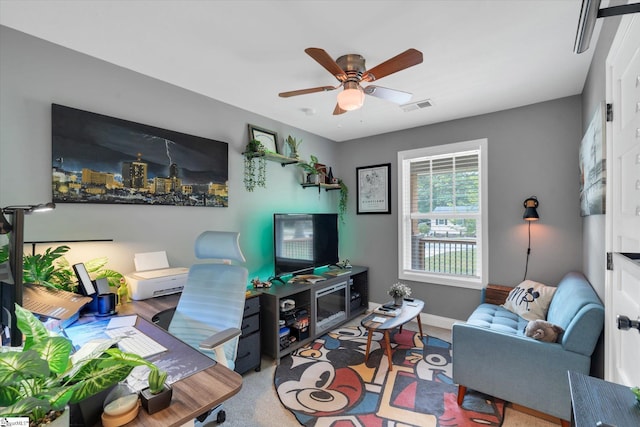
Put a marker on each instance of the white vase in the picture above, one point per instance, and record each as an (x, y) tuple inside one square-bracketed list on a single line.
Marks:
[(64, 420)]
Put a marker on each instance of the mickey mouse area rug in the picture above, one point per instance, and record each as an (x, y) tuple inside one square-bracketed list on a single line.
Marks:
[(327, 383)]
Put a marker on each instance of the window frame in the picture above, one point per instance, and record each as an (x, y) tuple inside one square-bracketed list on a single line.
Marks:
[(404, 215)]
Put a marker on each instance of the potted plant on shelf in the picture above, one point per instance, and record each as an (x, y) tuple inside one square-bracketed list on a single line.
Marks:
[(310, 169), (398, 291), (293, 145), (254, 176), (42, 378), (158, 395)]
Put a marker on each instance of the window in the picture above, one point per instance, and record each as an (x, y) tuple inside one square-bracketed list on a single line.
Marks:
[(442, 217)]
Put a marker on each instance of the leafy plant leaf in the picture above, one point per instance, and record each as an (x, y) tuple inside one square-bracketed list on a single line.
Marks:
[(95, 377), (26, 406), (56, 351), (15, 366), (95, 264), (31, 328)]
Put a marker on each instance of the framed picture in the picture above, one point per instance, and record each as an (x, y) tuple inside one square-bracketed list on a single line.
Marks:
[(268, 138), (374, 189), (592, 166)]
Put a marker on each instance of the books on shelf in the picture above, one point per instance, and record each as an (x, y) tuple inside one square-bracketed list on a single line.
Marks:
[(306, 279), (336, 273), (388, 310)]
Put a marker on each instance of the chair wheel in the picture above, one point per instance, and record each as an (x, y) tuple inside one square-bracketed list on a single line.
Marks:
[(221, 417)]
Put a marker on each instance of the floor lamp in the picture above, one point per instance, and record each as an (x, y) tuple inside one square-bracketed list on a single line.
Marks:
[(11, 293), (530, 215)]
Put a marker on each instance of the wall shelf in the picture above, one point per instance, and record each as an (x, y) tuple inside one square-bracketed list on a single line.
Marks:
[(327, 187), (274, 157)]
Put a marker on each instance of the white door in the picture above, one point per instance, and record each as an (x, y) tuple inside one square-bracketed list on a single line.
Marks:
[(622, 290)]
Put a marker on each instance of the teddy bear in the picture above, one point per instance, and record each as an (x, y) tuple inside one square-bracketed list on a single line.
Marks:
[(543, 330)]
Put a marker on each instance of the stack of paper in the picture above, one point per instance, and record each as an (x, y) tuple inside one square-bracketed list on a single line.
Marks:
[(393, 312)]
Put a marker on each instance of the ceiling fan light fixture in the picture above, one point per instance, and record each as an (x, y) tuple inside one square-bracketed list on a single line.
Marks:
[(352, 97)]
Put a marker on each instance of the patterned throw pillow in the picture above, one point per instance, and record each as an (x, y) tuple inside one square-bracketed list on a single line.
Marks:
[(530, 300)]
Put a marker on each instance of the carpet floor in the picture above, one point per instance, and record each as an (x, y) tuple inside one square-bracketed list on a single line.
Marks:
[(329, 383), (257, 404)]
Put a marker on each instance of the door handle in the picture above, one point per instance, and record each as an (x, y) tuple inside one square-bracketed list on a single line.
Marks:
[(624, 323)]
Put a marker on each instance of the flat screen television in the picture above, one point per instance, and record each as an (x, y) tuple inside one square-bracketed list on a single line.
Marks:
[(302, 242)]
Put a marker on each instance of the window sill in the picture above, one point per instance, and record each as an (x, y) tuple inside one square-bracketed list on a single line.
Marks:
[(455, 281)]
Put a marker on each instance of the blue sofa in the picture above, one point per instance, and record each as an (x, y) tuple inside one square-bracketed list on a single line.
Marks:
[(492, 355)]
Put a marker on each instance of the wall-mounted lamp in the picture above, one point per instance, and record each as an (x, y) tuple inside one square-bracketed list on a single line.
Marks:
[(11, 294), (589, 13), (530, 215), (530, 212)]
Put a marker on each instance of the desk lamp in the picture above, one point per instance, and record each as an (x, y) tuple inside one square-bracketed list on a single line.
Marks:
[(11, 295), (530, 215)]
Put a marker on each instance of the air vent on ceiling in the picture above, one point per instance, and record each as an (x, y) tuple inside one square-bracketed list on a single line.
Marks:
[(416, 105)]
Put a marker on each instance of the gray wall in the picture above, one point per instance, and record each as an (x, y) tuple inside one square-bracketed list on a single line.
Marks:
[(35, 73), (532, 150)]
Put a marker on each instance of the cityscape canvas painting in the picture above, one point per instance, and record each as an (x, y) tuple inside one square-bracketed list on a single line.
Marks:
[(102, 159)]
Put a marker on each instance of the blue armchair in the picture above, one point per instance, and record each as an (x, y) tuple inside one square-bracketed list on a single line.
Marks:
[(492, 355)]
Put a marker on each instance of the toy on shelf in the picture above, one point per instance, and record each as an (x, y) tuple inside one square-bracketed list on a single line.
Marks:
[(258, 284)]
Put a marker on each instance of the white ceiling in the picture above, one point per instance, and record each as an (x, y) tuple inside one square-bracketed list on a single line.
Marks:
[(479, 56)]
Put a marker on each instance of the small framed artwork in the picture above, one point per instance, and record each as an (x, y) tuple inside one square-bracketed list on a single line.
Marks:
[(268, 138), (374, 189)]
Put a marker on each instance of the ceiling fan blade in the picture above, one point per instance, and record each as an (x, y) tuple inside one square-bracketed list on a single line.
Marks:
[(406, 59), (338, 110), (306, 91), (393, 95), (323, 58)]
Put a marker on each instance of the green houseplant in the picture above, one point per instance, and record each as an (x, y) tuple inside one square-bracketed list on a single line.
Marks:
[(158, 395), (310, 169), (293, 145), (45, 269), (43, 377), (53, 270)]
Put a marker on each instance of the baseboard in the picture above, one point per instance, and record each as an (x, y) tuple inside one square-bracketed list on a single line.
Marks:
[(535, 413), (427, 319)]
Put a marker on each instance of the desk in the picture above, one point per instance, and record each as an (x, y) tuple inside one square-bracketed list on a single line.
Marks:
[(192, 395), (593, 400), (410, 310)]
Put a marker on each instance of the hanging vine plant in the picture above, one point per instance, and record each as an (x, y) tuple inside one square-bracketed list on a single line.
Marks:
[(255, 175), (342, 202)]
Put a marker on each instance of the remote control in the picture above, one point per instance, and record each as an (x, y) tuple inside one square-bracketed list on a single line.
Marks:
[(409, 299)]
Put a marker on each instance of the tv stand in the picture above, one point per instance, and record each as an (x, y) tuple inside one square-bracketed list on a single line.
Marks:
[(356, 299)]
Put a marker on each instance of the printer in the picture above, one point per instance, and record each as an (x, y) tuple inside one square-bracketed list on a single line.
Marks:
[(153, 276)]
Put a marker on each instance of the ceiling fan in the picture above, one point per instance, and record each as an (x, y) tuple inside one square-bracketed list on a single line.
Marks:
[(351, 71)]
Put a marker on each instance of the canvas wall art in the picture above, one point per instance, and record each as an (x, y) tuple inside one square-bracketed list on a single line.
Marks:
[(102, 159), (593, 166)]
